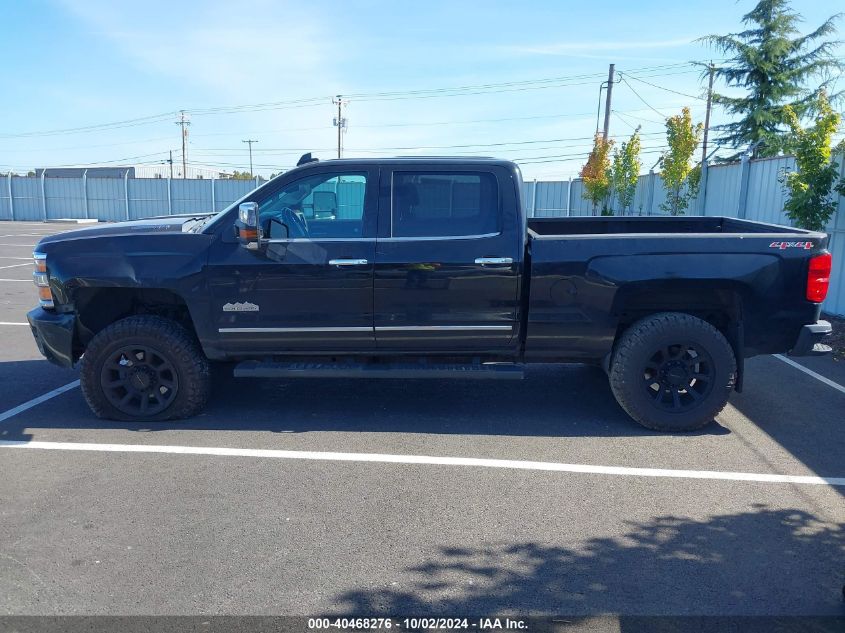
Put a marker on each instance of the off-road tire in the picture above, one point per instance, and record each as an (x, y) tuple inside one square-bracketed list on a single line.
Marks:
[(637, 345), (171, 341)]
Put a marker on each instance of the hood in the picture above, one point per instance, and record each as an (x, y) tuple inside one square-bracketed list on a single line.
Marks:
[(158, 225)]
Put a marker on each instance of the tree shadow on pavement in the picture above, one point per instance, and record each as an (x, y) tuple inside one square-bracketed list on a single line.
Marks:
[(761, 562)]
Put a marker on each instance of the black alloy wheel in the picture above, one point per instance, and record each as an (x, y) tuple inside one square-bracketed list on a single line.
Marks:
[(677, 377), (139, 381)]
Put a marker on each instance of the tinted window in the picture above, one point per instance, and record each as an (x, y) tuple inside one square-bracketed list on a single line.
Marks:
[(322, 205), (438, 204)]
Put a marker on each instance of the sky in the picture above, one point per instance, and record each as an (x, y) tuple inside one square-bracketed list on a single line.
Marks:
[(88, 82)]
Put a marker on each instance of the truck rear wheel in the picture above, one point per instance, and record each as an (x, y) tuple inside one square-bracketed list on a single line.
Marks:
[(672, 372), (145, 368)]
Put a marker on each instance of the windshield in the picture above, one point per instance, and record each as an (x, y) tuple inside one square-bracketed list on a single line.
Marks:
[(209, 224)]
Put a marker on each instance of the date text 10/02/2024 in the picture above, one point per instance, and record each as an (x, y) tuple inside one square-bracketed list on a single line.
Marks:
[(481, 624)]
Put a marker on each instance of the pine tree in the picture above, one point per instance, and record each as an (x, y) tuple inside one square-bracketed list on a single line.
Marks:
[(776, 65)]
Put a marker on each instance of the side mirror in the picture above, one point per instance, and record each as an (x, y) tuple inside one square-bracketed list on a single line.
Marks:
[(247, 225)]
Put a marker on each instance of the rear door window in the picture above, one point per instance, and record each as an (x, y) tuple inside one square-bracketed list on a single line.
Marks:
[(444, 204)]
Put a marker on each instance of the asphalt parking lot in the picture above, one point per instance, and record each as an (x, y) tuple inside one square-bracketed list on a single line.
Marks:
[(269, 504)]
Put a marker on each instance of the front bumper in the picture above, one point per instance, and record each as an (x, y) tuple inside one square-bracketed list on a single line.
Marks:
[(809, 341), (53, 334)]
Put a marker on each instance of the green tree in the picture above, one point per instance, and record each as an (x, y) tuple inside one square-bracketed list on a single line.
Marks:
[(596, 174), (680, 178), (810, 203), (625, 171), (241, 175), (775, 65)]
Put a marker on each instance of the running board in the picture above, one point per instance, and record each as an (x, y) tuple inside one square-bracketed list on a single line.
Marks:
[(488, 371)]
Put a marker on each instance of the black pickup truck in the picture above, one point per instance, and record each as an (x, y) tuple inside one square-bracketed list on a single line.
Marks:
[(423, 267)]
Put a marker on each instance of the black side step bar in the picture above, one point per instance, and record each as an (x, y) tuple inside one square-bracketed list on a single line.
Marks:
[(494, 371)]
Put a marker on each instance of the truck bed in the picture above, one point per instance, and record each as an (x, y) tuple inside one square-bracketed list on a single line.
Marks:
[(600, 225), (586, 273)]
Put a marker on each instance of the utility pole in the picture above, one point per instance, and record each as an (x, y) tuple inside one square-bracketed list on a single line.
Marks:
[(711, 71), (250, 142), (170, 160), (339, 122), (183, 122), (607, 102), (598, 109)]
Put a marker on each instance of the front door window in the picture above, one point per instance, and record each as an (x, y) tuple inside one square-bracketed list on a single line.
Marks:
[(326, 205)]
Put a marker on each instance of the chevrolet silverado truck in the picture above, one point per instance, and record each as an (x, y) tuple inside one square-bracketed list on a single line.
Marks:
[(413, 268)]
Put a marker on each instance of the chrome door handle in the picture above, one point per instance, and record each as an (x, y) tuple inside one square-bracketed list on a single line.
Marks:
[(494, 261), (348, 262)]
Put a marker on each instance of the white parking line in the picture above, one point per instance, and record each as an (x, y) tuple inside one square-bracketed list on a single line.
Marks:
[(12, 323), (36, 401), (21, 245), (9, 257), (811, 373), (428, 460), (26, 280), (17, 265)]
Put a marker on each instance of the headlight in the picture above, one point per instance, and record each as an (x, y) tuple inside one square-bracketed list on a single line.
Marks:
[(42, 280)]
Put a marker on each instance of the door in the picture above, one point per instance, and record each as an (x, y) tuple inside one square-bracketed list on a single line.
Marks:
[(448, 261), (308, 287)]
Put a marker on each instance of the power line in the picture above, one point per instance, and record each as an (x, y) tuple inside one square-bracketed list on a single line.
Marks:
[(323, 127), (555, 159), (635, 128), (622, 115), (531, 84), (116, 160), (508, 151), (156, 118), (648, 83), (660, 114), (415, 147)]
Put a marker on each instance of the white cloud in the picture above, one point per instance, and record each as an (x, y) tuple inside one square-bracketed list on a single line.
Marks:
[(230, 49)]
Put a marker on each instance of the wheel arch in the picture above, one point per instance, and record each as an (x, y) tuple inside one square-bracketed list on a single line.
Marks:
[(97, 308)]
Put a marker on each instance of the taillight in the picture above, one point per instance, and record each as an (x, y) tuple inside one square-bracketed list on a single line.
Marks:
[(818, 277)]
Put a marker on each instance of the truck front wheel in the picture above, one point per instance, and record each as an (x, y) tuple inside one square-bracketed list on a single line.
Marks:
[(672, 372), (144, 368)]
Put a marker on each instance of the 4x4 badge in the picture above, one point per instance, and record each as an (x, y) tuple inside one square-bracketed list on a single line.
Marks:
[(784, 245)]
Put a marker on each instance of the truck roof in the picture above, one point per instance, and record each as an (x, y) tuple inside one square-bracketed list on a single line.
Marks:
[(410, 160)]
